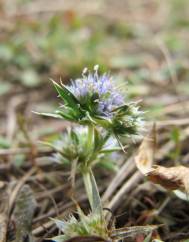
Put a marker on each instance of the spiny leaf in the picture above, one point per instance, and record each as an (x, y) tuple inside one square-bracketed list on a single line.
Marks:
[(67, 96), (52, 115), (66, 115), (95, 194), (110, 150)]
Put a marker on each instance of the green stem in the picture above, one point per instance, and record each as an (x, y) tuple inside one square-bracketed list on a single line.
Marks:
[(91, 161), (88, 177), (90, 138), (88, 187), (92, 191), (85, 170), (97, 205)]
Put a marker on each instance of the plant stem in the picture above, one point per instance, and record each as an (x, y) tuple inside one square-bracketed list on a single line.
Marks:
[(97, 206), (90, 138), (92, 191), (88, 177), (88, 187)]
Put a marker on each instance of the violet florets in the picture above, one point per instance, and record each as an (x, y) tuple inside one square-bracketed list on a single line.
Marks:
[(97, 93)]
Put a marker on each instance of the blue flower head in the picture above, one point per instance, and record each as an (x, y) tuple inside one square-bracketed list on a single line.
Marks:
[(95, 99), (97, 93)]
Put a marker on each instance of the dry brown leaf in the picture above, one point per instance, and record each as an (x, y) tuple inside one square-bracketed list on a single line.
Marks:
[(170, 178), (145, 157)]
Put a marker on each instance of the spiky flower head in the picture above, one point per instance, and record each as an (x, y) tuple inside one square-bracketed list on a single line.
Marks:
[(95, 99), (96, 93), (72, 146)]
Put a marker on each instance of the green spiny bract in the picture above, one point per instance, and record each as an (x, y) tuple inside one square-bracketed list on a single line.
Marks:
[(87, 225), (74, 146)]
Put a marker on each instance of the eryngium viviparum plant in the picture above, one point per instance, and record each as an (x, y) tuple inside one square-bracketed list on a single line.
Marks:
[(95, 102)]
